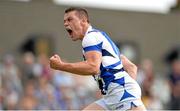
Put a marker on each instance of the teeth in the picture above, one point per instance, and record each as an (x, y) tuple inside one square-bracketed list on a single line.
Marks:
[(68, 29)]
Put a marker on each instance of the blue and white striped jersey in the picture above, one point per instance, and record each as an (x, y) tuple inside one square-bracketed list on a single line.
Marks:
[(96, 40), (120, 91)]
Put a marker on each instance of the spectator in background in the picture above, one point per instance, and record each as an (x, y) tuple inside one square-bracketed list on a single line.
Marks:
[(42, 88), (146, 79), (28, 67), (64, 90), (11, 74), (45, 94), (173, 59), (11, 84), (28, 100), (85, 88), (45, 70)]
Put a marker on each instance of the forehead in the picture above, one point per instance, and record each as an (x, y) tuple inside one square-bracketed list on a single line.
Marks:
[(70, 14)]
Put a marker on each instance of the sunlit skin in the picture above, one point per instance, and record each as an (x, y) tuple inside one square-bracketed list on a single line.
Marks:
[(75, 25)]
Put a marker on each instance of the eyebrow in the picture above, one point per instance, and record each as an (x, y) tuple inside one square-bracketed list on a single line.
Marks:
[(66, 18)]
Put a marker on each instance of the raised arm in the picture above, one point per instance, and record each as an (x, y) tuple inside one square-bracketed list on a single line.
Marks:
[(130, 67), (89, 67)]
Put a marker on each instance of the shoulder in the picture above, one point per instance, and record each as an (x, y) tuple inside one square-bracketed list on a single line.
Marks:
[(92, 38)]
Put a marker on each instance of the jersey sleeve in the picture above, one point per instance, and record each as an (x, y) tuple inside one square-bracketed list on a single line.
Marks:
[(92, 42)]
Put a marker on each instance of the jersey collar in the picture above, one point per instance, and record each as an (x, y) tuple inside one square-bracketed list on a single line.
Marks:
[(89, 29)]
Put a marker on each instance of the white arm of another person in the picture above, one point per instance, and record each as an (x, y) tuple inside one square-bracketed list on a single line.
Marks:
[(130, 67)]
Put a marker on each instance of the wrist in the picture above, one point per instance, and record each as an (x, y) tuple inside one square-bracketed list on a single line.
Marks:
[(61, 66)]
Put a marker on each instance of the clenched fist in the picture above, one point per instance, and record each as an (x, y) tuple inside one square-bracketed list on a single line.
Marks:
[(55, 62)]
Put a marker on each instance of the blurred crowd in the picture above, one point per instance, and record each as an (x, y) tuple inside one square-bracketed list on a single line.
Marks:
[(161, 90), (32, 84)]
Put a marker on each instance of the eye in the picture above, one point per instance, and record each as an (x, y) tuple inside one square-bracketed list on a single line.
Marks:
[(69, 19)]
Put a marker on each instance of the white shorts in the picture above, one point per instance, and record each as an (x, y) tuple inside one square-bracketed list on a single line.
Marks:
[(122, 97)]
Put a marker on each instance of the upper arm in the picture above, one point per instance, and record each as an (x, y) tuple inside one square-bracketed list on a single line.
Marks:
[(92, 47), (93, 58)]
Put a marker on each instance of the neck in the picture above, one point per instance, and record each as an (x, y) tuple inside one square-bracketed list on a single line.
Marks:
[(85, 28)]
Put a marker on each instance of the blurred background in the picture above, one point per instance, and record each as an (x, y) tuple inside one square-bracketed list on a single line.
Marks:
[(147, 32)]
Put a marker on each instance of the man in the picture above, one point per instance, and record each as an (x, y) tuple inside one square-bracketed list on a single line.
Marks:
[(103, 61)]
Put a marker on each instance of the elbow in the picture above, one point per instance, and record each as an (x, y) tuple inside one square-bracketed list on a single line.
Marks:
[(93, 68), (94, 71)]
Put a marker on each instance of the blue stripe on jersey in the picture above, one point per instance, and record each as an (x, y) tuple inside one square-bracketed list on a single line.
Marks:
[(116, 50), (113, 65), (106, 53), (97, 47), (107, 73), (108, 76)]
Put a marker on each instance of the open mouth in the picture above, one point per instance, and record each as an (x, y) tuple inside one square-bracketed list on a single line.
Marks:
[(69, 31)]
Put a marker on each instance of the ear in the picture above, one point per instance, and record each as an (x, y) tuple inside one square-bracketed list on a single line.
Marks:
[(83, 22), (84, 19)]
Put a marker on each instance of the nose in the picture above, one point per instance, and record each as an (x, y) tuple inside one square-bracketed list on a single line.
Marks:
[(65, 23)]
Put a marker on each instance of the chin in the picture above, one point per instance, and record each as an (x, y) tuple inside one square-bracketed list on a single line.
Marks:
[(73, 39)]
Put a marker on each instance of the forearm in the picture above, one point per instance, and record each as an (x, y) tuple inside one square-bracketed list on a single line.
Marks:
[(80, 68), (129, 67), (89, 67), (131, 70)]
